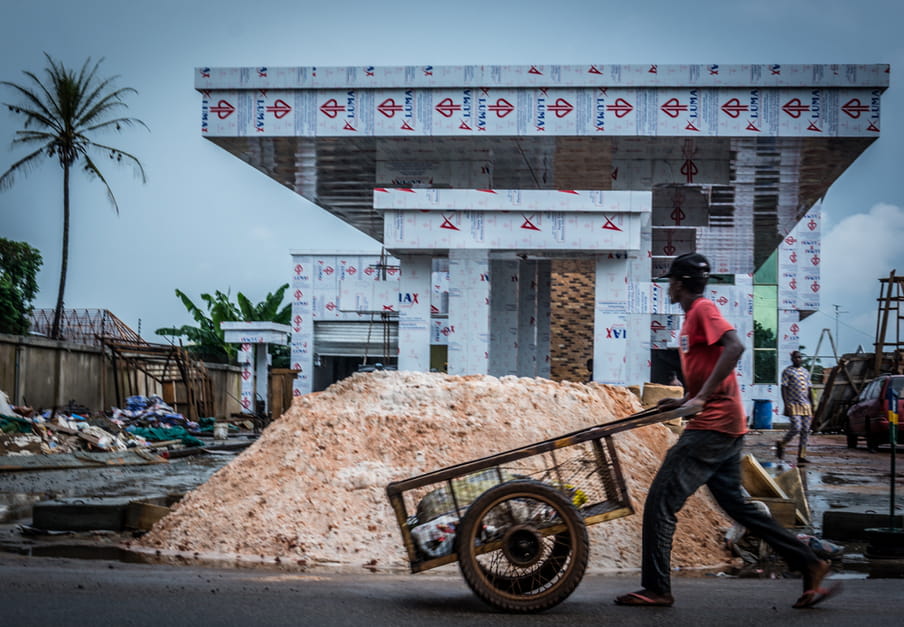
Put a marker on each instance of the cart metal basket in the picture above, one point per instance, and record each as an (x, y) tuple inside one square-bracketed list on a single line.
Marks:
[(516, 522)]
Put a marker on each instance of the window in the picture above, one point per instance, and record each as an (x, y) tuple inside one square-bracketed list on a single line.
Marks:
[(765, 322)]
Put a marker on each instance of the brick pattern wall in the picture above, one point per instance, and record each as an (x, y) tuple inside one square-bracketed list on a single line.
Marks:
[(571, 324)]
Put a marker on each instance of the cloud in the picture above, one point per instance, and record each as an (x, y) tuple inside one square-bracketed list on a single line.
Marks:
[(861, 248), (856, 252)]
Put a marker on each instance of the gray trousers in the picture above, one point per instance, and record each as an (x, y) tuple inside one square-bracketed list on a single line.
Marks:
[(713, 459)]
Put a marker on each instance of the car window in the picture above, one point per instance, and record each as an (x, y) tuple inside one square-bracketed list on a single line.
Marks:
[(897, 383), (872, 390)]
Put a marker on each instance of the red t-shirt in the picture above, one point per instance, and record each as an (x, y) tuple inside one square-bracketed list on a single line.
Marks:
[(703, 327)]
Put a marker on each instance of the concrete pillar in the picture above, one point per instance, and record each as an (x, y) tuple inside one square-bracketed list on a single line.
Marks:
[(414, 312), (469, 311), (544, 289), (245, 358), (610, 321), (261, 360), (504, 278), (527, 319), (302, 340)]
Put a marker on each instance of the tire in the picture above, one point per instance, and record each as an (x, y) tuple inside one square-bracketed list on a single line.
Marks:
[(538, 546), (850, 435)]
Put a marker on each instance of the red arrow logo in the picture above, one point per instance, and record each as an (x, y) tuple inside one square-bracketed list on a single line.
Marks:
[(872, 127), (331, 108), (593, 70), (533, 70), (795, 107), (223, 109), (677, 215), (530, 226), (812, 127), (279, 109), (406, 127), (854, 108), (447, 224), (751, 127), (348, 127), (561, 108), (610, 225), (734, 108), (621, 108), (689, 170), (464, 126), (502, 107), (673, 108), (389, 107), (446, 107)]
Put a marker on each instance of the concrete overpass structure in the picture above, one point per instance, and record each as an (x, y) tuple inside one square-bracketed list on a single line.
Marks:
[(502, 170)]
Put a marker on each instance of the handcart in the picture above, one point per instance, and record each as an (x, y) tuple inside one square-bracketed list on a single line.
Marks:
[(516, 522)]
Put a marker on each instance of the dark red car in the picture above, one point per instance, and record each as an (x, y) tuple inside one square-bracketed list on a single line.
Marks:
[(868, 416)]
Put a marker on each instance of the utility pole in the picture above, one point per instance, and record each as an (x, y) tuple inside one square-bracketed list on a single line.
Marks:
[(837, 313)]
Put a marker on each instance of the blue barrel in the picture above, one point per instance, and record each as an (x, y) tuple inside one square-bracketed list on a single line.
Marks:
[(762, 413)]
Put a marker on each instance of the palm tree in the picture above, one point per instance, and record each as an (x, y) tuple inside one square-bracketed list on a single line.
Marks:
[(61, 116)]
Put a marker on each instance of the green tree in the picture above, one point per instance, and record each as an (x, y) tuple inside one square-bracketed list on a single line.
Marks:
[(62, 115), (206, 339), (19, 265)]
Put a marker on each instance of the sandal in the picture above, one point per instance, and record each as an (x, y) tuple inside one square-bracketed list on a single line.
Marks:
[(644, 597), (814, 597)]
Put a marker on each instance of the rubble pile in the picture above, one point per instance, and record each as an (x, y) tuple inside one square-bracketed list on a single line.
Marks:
[(311, 490), (26, 431)]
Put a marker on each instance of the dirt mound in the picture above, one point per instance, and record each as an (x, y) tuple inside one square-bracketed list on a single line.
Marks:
[(312, 488)]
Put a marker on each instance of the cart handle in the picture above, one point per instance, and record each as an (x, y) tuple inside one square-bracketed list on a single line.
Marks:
[(640, 419)]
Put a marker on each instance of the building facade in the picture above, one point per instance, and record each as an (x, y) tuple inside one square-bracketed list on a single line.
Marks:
[(501, 172)]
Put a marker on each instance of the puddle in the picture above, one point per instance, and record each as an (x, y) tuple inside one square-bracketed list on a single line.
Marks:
[(86, 552), (19, 490)]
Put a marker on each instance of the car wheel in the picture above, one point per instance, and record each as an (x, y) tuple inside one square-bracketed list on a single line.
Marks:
[(850, 435)]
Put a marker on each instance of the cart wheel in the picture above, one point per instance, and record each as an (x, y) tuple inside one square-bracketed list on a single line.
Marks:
[(522, 546)]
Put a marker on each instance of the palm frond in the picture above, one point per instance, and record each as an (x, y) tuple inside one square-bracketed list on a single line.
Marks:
[(43, 115), (92, 169), (116, 122), (25, 164), (119, 154)]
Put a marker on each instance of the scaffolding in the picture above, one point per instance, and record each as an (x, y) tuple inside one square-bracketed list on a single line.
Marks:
[(84, 326), (853, 371), (888, 323), (139, 368)]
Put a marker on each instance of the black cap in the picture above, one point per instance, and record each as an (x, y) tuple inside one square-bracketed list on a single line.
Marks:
[(688, 266)]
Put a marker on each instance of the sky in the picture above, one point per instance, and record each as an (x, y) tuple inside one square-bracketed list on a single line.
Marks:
[(207, 221)]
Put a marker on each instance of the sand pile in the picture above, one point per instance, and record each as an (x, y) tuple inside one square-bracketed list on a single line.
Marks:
[(311, 489)]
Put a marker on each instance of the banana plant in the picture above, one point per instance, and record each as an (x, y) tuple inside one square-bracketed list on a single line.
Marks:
[(206, 340)]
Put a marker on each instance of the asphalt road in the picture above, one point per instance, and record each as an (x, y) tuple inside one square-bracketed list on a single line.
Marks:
[(40, 592)]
